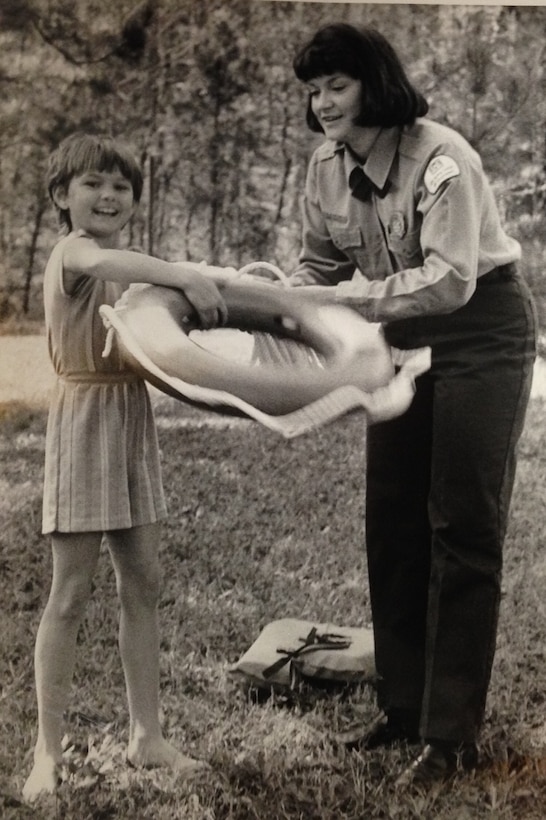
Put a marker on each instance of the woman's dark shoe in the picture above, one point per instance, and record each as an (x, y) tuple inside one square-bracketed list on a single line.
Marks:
[(438, 762), (384, 730)]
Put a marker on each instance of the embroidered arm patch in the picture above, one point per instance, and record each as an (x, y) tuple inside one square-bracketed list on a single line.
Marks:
[(439, 170)]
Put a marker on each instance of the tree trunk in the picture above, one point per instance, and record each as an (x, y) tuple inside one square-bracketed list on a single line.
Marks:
[(27, 284), (214, 156)]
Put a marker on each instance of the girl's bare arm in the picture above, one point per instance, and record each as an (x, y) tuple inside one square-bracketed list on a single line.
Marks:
[(83, 257)]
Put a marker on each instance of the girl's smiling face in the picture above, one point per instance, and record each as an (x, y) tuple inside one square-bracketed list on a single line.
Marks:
[(99, 202), (336, 100)]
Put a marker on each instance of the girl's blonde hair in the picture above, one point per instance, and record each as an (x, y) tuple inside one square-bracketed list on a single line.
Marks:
[(80, 153)]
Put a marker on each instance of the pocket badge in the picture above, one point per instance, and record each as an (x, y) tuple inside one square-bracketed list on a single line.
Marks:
[(397, 225)]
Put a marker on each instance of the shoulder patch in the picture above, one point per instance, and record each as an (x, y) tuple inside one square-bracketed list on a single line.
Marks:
[(439, 170)]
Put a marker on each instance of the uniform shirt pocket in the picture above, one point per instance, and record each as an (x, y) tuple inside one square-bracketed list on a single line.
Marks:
[(368, 253), (346, 238), (406, 249)]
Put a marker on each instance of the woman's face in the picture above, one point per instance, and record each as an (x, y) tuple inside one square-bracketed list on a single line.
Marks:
[(335, 101)]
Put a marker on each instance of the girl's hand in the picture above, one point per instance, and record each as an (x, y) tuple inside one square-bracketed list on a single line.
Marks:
[(205, 298), (220, 276)]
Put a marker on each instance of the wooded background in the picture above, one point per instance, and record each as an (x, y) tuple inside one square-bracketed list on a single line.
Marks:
[(204, 91)]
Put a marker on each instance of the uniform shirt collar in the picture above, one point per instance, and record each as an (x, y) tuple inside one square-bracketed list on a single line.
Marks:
[(379, 162)]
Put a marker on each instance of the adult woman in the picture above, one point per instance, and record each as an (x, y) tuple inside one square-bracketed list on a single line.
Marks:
[(399, 221)]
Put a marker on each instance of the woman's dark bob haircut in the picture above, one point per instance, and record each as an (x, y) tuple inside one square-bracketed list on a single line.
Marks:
[(388, 97), (80, 153)]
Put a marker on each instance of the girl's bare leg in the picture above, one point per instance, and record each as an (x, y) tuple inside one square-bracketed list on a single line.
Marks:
[(74, 561), (135, 558)]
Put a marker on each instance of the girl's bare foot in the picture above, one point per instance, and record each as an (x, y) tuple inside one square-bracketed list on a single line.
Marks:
[(43, 779), (161, 753)]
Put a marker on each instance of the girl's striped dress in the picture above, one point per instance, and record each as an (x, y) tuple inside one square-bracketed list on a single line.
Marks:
[(102, 469)]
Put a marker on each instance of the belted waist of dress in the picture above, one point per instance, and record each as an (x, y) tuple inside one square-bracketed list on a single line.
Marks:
[(87, 377), (501, 274)]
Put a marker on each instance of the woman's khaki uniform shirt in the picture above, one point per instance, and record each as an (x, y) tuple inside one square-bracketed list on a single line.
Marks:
[(418, 221)]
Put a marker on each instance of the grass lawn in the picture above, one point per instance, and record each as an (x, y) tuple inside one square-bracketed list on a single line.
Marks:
[(260, 528)]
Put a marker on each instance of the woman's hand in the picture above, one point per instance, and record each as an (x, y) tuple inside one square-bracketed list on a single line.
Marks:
[(317, 293)]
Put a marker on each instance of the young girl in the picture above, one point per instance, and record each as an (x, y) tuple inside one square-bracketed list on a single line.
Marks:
[(102, 472), (400, 222)]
